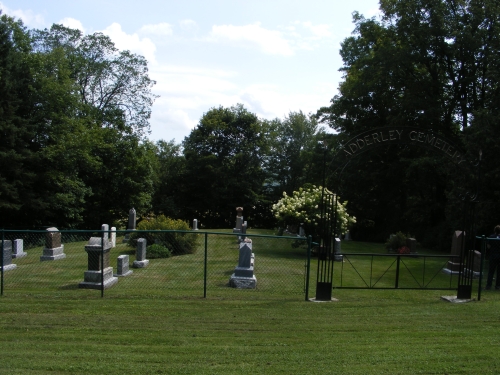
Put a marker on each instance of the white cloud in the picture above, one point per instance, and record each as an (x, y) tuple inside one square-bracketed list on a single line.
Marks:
[(132, 42), (161, 29), (28, 17), (320, 31), (188, 25), (72, 24), (270, 41)]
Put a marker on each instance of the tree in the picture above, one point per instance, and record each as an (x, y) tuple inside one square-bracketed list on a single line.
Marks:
[(426, 63), (223, 165)]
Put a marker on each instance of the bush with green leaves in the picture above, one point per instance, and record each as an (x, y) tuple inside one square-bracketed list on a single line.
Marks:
[(303, 206), (156, 251), (178, 240), (397, 241)]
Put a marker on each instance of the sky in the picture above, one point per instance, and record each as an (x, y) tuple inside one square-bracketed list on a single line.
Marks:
[(273, 56)]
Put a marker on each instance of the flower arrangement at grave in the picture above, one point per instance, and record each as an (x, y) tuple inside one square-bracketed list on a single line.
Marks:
[(303, 207), (397, 243)]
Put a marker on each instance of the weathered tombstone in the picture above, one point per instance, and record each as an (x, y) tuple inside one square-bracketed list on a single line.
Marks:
[(239, 218), (476, 269), (140, 254), (54, 249), (337, 254), (243, 231), (99, 273), (7, 256), (131, 219), (131, 224), (302, 232), (105, 231), (122, 266), (18, 249), (411, 243), (113, 236), (243, 277), (195, 224), (347, 236), (453, 266)]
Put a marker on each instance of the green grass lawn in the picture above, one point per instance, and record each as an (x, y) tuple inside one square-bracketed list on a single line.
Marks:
[(156, 321)]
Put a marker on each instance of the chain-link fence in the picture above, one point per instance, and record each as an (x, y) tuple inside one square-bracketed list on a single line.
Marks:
[(183, 264)]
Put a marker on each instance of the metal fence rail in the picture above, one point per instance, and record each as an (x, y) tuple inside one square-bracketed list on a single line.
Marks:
[(394, 271), (200, 265)]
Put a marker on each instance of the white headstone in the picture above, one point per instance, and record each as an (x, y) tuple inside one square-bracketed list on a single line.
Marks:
[(113, 236), (195, 224), (18, 249)]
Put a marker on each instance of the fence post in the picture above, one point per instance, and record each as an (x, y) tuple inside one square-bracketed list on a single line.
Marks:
[(1, 282), (483, 253), (102, 264), (205, 267), (397, 272), (308, 265)]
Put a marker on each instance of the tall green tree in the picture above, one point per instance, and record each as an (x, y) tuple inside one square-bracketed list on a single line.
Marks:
[(425, 63), (223, 165)]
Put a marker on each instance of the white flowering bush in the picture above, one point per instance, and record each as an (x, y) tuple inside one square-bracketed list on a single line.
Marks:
[(303, 206)]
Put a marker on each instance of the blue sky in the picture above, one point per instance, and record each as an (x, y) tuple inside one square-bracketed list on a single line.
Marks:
[(273, 56)]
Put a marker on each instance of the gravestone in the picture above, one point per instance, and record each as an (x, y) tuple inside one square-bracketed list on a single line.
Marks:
[(105, 231), (131, 219), (411, 243), (243, 231), (7, 256), (243, 276), (18, 249), (99, 273), (122, 266), (347, 236), (140, 254), (131, 224), (337, 254), (302, 232), (453, 266), (113, 236), (195, 224), (53, 249)]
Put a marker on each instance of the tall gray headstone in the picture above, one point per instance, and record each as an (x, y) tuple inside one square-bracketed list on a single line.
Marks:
[(99, 273), (195, 224), (337, 253), (113, 236), (453, 266), (347, 236), (53, 249), (140, 254), (18, 249), (243, 276), (7, 255), (131, 219), (122, 266), (105, 231)]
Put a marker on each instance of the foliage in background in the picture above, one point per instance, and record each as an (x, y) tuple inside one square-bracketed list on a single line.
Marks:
[(177, 243), (157, 251), (397, 242), (304, 206)]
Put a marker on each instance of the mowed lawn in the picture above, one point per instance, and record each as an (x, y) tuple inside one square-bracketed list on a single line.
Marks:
[(138, 328)]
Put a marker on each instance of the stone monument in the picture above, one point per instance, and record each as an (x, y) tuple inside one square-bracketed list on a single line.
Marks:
[(113, 236), (122, 266), (99, 272), (7, 256), (53, 248), (18, 249), (453, 266), (337, 254), (195, 224), (347, 236), (140, 254), (243, 276), (131, 224)]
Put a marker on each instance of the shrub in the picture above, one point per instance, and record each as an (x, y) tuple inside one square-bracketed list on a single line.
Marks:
[(177, 243), (397, 242), (303, 206), (156, 251)]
